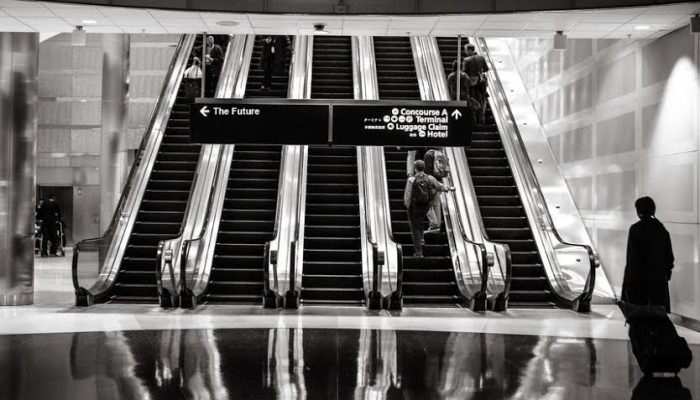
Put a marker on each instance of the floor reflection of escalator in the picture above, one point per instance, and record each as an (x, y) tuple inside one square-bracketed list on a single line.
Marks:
[(428, 280), (499, 202), (248, 217), (332, 255), (162, 208)]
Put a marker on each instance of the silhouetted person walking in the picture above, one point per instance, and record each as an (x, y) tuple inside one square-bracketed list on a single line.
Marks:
[(649, 259), (50, 215)]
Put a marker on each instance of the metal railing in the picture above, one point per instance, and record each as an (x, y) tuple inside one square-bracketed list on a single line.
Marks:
[(112, 244), (472, 282), (496, 287), (547, 236), (174, 253), (199, 200), (282, 252), (383, 266)]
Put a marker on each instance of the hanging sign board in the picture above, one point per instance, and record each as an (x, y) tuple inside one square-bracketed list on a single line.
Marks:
[(424, 124), (243, 122), (313, 122)]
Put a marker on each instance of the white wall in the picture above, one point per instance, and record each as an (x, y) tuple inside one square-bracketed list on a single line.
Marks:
[(70, 106), (622, 118)]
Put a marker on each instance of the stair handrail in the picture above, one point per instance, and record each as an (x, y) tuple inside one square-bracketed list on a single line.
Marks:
[(140, 171), (583, 300), (169, 297), (441, 92)]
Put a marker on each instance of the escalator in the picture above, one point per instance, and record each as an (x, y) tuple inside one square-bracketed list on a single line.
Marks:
[(429, 280), (248, 217), (332, 272), (502, 211), (163, 205)]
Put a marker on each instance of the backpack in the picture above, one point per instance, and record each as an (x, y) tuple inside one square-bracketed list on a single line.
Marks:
[(422, 193), (440, 163)]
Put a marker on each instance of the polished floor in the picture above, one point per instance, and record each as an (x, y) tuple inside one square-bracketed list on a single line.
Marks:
[(282, 363), (53, 350)]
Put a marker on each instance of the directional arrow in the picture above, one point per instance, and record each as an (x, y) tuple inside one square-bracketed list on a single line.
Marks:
[(456, 114), (204, 111)]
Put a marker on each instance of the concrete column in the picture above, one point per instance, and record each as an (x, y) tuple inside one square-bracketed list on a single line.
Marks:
[(115, 96), (19, 56)]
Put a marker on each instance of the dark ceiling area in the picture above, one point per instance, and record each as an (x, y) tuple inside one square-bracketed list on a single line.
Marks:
[(392, 7)]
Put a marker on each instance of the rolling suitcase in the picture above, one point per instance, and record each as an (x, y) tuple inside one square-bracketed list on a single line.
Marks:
[(655, 342)]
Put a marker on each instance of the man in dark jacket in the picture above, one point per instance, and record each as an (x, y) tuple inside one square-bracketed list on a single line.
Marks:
[(273, 58), (475, 67), (649, 259), (213, 62), (50, 215)]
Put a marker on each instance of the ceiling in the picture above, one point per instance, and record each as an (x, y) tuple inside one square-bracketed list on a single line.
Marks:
[(618, 23)]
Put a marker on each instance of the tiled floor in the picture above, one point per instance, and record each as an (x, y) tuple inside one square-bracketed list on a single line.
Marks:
[(220, 352)]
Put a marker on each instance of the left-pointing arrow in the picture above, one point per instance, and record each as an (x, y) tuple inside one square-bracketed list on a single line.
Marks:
[(204, 111)]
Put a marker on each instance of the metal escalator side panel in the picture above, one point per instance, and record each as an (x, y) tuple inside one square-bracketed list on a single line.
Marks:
[(465, 261), (467, 203), (290, 213), (374, 201), (206, 202), (156, 129), (547, 200)]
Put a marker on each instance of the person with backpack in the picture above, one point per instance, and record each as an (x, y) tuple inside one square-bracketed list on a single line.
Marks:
[(437, 166), (419, 194)]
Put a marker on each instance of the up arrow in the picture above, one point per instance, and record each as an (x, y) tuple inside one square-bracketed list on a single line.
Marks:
[(456, 114), (204, 111)]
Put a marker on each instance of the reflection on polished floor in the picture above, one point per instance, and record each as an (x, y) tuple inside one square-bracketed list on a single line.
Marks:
[(53, 350), (283, 363)]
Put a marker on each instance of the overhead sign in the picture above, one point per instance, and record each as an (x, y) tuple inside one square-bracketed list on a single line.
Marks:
[(426, 124), (308, 122), (239, 122)]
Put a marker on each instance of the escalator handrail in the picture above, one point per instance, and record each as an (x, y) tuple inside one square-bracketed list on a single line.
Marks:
[(281, 189), (480, 222), (485, 265), (161, 111), (187, 243), (301, 172), (544, 214), (431, 94), (370, 91), (376, 268), (191, 203)]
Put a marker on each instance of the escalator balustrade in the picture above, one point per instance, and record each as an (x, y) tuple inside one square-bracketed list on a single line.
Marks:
[(429, 280), (501, 208)]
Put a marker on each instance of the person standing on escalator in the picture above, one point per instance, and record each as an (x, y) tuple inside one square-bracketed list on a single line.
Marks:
[(273, 58), (475, 67), (213, 62), (418, 197)]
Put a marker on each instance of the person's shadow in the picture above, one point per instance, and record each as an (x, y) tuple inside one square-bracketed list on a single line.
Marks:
[(650, 388)]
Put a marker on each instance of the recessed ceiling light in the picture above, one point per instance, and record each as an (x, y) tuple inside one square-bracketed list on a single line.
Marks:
[(642, 27), (89, 21), (227, 23)]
